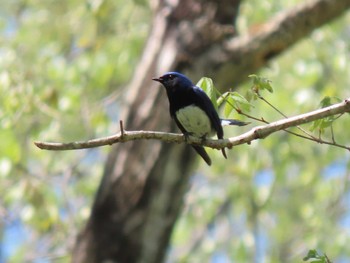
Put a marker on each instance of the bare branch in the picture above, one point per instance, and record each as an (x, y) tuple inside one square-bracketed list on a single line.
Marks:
[(259, 132), (117, 138)]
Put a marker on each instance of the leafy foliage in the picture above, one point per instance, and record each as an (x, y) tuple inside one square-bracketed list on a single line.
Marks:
[(231, 99), (62, 66), (316, 257), (260, 83), (324, 123), (277, 198), (207, 85)]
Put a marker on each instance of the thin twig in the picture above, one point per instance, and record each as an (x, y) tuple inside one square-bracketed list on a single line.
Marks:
[(318, 140), (332, 134), (280, 112), (121, 128)]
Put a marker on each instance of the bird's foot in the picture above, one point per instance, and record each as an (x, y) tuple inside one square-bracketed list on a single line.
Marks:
[(203, 139), (187, 136)]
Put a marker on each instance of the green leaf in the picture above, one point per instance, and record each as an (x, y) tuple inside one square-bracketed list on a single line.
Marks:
[(208, 86), (229, 107), (315, 257), (260, 83), (251, 95), (324, 123), (222, 98), (328, 101), (310, 255), (236, 101), (240, 101), (325, 102)]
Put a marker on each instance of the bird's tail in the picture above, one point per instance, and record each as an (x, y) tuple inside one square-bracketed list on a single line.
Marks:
[(201, 151), (225, 122), (224, 153)]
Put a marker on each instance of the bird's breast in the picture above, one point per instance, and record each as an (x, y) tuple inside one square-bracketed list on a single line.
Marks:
[(195, 121)]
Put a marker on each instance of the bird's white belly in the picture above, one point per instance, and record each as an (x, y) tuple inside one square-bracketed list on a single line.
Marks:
[(194, 120)]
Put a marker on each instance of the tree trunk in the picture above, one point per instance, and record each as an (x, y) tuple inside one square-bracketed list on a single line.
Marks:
[(141, 193)]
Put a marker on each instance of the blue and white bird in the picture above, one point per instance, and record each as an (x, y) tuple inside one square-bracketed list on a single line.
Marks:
[(193, 111)]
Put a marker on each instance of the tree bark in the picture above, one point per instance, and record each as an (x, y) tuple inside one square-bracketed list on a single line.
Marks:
[(141, 193)]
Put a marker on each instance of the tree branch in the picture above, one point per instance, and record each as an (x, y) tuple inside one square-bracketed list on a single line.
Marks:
[(239, 56), (259, 132)]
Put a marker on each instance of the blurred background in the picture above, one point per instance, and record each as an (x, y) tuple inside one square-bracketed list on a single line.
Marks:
[(64, 65)]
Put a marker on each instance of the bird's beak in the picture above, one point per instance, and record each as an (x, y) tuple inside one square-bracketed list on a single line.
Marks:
[(158, 79)]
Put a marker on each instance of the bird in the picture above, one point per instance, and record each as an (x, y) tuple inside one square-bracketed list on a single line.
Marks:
[(193, 111)]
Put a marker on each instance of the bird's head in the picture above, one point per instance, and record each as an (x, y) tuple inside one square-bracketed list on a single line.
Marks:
[(171, 80)]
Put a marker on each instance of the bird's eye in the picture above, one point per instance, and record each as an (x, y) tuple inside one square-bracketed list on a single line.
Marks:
[(171, 76)]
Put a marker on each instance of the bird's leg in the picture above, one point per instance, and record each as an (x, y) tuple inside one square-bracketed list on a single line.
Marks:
[(187, 135), (203, 138)]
